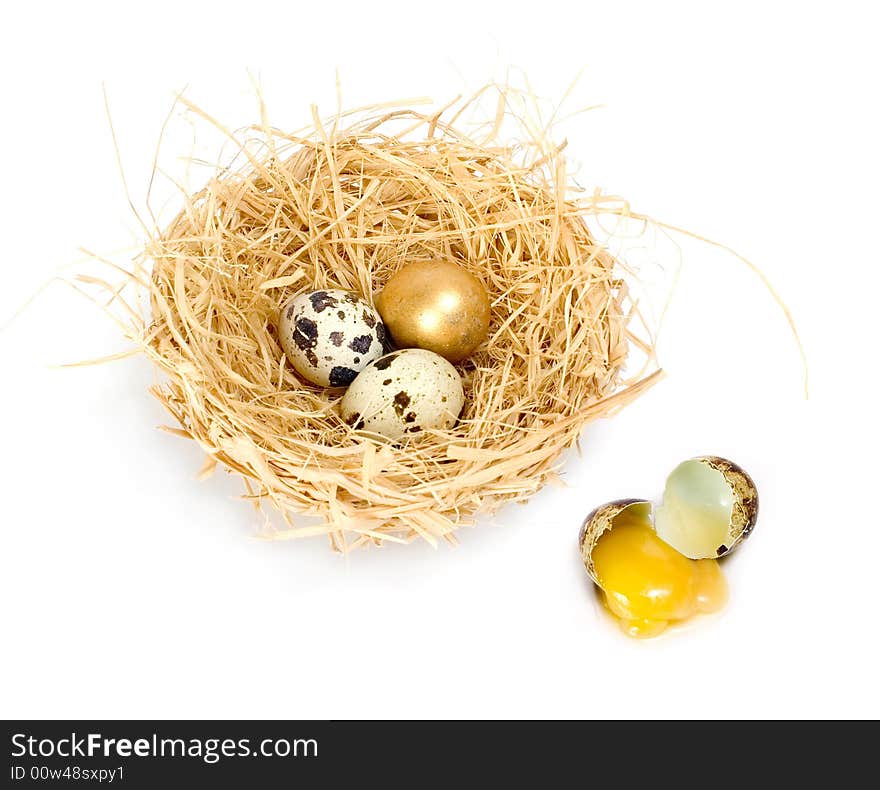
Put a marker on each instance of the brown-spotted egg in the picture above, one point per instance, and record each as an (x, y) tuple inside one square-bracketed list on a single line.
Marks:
[(330, 335), (403, 393)]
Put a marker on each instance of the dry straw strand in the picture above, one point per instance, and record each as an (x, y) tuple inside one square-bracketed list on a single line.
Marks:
[(345, 203)]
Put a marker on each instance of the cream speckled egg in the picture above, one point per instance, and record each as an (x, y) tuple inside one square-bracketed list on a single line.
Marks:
[(403, 393), (330, 335)]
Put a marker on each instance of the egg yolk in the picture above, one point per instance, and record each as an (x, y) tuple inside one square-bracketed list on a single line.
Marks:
[(647, 584)]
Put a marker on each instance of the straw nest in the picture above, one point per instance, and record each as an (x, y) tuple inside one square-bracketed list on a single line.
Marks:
[(344, 204)]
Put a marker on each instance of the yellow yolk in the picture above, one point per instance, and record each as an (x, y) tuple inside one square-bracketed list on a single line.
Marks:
[(647, 584)]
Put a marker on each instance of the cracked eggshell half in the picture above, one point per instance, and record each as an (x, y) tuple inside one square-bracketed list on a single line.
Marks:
[(710, 505), (601, 520), (404, 393)]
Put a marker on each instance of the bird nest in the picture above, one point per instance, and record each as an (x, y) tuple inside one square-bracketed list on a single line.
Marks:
[(345, 204)]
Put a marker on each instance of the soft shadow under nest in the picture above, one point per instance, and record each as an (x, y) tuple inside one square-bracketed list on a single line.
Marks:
[(346, 207)]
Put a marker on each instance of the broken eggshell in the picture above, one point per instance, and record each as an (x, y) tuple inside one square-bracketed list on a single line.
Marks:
[(600, 521), (710, 505)]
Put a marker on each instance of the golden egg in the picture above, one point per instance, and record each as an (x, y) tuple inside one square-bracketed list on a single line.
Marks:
[(436, 305)]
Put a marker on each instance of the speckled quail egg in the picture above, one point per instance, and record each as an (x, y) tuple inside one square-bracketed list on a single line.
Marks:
[(330, 335), (403, 393)]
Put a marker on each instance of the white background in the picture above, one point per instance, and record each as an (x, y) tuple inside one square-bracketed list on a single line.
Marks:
[(128, 589)]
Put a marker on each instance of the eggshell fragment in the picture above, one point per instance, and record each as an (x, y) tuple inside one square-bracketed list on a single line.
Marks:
[(600, 521), (403, 393), (710, 505)]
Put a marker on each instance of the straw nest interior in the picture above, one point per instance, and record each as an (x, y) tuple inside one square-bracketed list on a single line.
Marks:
[(344, 204)]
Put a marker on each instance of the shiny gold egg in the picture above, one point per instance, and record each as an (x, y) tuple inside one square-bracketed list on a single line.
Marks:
[(435, 305)]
